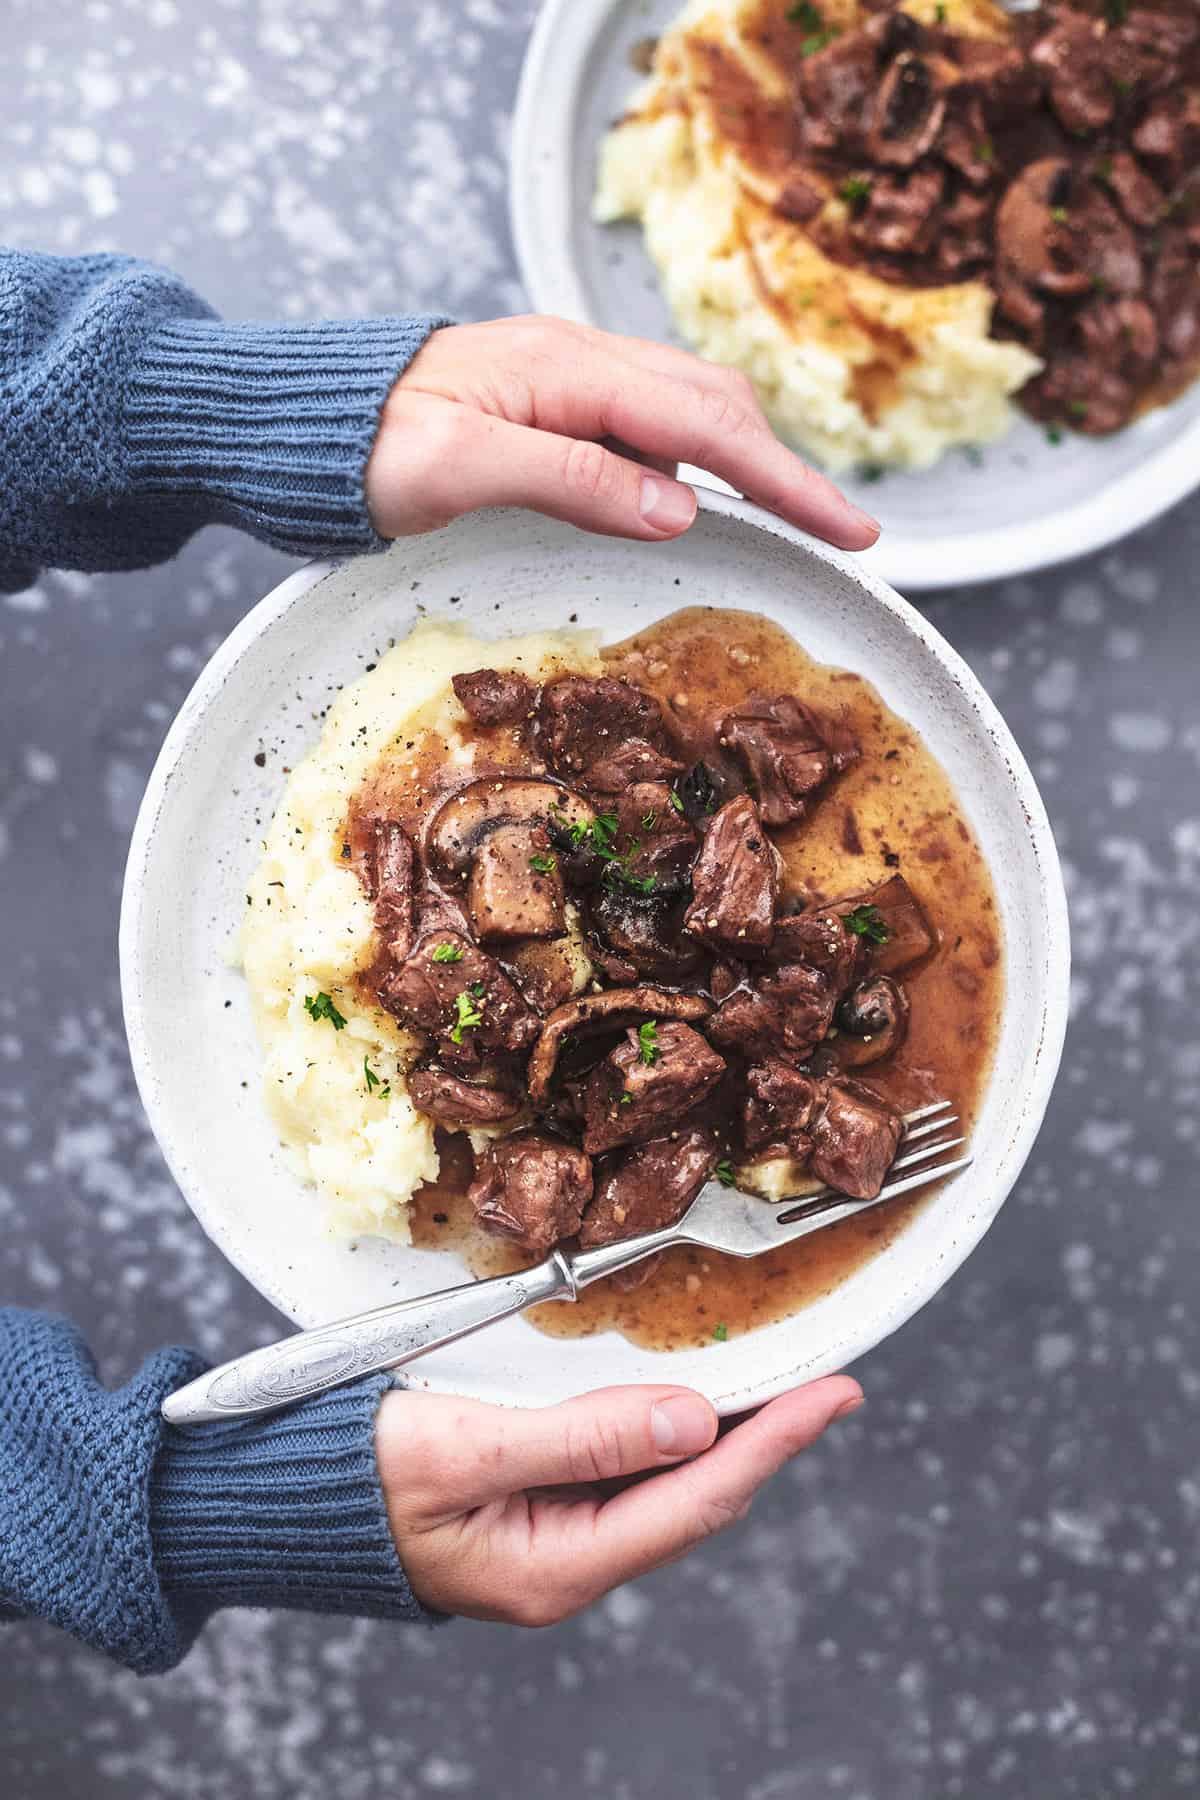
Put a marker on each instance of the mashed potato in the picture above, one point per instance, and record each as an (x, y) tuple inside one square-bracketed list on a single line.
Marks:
[(851, 368), (309, 928)]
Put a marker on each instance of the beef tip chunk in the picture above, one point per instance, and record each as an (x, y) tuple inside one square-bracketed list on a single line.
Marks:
[(659, 1071), (785, 1013), (899, 215), (636, 761), (495, 696), (1072, 57), (855, 1137), (725, 976), (786, 752), (1168, 133), (532, 1189), (964, 236), (735, 882), (390, 883), (460, 1105), (516, 887), (1121, 334), (1000, 76), (649, 1188), (891, 923), (1175, 297), (800, 198), (821, 938), (1059, 233), (583, 721), (779, 1108), (450, 988), (1139, 198), (834, 92)]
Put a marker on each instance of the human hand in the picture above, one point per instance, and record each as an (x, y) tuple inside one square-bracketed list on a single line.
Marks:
[(517, 413), (506, 1514)]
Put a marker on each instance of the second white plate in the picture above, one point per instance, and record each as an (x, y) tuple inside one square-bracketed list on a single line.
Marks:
[(1019, 505)]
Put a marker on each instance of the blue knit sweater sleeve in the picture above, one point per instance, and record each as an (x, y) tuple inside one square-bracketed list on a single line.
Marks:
[(130, 1535), (130, 415)]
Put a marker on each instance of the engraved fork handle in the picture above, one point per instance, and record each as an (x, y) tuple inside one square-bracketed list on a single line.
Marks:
[(312, 1362)]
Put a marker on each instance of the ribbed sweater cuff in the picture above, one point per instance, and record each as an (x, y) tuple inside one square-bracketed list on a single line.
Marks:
[(285, 1511), (268, 427)]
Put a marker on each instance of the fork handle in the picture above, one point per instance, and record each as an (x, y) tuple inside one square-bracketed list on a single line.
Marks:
[(312, 1362)]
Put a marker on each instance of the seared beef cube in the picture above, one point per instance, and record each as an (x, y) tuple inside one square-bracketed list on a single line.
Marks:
[(1000, 76), (894, 910), (390, 880), (900, 213), (735, 882), (582, 721), (725, 976), (834, 90), (779, 1107), (655, 843), (1140, 199), (449, 987), (785, 1013), (855, 1138), (658, 1072), (516, 887), (1075, 63), (458, 1104), (633, 762), (821, 938), (649, 1188), (495, 696), (643, 933), (786, 751), (532, 1189)]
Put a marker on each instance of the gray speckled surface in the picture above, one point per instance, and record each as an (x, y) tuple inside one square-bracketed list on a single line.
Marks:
[(986, 1584)]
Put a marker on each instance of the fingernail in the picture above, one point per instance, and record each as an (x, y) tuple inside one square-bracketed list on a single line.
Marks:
[(865, 520), (681, 1425), (667, 505), (849, 1406)]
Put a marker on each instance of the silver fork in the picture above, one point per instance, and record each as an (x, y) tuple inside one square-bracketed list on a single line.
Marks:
[(719, 1218)]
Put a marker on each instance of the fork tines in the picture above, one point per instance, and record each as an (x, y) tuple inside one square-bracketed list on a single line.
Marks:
[(911, 1167)]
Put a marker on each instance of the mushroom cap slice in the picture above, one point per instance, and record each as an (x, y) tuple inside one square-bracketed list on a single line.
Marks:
[(872, 1021), (604, 1012), (462, 822)]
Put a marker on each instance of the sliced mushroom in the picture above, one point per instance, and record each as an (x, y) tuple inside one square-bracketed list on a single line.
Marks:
[(516, 887), (872, 1021), (462, 822), (1056, 231), (610, 1011), (909, 111)]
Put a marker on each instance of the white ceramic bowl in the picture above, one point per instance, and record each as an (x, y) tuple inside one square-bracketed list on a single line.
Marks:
[(1021, 504), (198, 834)]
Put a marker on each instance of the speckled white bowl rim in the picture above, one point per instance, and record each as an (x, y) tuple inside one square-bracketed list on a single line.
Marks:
[(175, 1091), (557, 63)]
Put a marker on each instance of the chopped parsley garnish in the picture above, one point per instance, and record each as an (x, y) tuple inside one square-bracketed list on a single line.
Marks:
[(1116, 11), (805, 14), (986, 151), (1099, 284), (871, 472), (625, 1100), (1077, 409), (1054, 434), (447, 953), (676, 802), (543, 864), (647, 1042), (476, 988), (1059, 214), (618, 872), (468, 1016), (939, 12), (648, 819), (867, 922), (320, 1006), (603, 830), (855, 188), (817, 40), (720, 1333), (724, 1172), (374, 1081)]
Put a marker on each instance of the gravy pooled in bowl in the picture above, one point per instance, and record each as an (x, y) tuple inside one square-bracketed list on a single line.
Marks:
[(694, 908)]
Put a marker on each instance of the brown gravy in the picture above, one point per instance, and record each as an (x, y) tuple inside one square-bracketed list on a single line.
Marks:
[(895, 809)]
